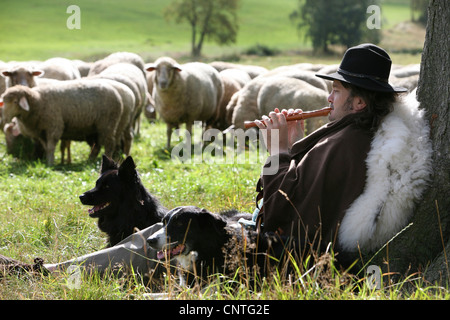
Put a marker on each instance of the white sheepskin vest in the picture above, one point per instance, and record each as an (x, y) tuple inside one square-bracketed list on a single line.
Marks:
[(398, 169)]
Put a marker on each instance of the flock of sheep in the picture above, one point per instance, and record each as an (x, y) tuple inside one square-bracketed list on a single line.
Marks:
[(60, 100)]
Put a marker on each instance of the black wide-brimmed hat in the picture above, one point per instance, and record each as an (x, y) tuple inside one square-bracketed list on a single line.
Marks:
[(367, 66)]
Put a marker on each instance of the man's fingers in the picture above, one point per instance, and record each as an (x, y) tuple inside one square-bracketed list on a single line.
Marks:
[(260, 125)]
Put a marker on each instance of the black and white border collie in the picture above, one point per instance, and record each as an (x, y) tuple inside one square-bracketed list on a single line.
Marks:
[(205, 243)]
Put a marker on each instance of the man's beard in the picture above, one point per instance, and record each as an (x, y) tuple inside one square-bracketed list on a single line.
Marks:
[(348, 106)]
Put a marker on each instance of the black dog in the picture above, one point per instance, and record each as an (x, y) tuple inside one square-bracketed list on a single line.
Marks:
[(120, 201), (204, 243)]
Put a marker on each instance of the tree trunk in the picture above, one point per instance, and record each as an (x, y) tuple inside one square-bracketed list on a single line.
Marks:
[(425, 245), (193, 39), (203, 31)]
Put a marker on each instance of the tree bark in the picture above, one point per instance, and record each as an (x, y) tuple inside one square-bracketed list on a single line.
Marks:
[(425, 245)]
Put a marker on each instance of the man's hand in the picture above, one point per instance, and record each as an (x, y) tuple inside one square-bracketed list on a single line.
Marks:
[(288, 131)]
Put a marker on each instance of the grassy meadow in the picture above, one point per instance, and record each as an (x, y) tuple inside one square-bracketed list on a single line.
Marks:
[(136, 26), (37, 31), (41, 215)]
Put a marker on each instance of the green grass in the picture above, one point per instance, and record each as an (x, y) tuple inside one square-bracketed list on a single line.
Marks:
[(42, 202), (37, 29), (41, 216), (394, 12)]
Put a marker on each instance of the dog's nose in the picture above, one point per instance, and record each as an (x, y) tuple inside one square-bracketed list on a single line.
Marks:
[(82, 197), (157, 239), (152, 241)]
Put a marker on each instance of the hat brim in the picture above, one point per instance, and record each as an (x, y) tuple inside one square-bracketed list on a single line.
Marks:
[(366, 83)]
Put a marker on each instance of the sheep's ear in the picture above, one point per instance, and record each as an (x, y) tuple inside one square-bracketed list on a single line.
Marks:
[(37, 73), (177, 67), (5, 74), (150, 67), (23, 103)]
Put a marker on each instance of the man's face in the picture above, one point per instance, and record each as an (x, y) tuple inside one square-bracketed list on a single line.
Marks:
[(341, 101)]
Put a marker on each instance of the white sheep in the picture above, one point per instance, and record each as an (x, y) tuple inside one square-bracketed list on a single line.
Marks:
[(285, 93), (244, 103), (3, 66), (23, 73), (72, 110), (240, 76), (306, 66), (116, 57), (245, 106), (149, 110), (405, 76), (20, 73), (134, 78), (17, 144), (124, 132), (298, 71), (59, 69), (332, 68), (406, 71), (252, 70), (82, 66), (231, 106), (31, 74), (409, 82), (185, 93), (233, 80)]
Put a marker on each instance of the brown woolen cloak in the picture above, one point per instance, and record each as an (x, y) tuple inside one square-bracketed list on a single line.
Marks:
[(315, 183)]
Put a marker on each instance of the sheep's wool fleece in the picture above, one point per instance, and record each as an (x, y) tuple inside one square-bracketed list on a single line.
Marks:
[(398, 168)]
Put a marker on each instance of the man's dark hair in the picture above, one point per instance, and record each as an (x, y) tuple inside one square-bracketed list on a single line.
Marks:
[(379, 104)]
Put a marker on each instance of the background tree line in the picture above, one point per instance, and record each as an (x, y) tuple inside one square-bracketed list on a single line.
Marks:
[(325, 22), (337, 22)]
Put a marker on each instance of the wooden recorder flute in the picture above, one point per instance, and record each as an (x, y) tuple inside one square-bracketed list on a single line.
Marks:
[(300, 116)]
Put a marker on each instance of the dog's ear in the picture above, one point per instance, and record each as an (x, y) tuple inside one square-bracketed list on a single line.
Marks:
[(127, 170), (210, 220), (107, 164)]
